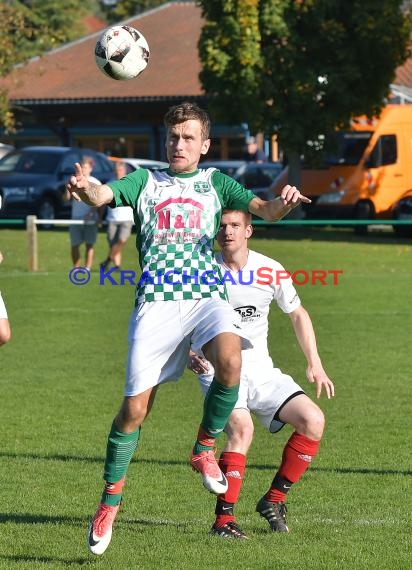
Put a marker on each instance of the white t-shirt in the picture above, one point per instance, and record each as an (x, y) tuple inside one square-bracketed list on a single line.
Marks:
[(81, 210), (120, 214), (251, 291)]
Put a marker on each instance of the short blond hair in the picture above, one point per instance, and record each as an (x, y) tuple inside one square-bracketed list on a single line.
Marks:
[(187, 111), (87, 160), (247, 216)]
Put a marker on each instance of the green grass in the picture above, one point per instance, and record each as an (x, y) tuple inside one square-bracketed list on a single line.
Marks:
[(62, 382)]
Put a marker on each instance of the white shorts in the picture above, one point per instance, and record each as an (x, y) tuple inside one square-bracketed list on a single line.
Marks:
[(263, 390), (162, 332), (3, 310)]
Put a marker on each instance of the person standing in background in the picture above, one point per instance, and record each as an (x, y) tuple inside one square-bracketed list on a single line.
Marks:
[(86, 233), (119, 226), (253, 152)]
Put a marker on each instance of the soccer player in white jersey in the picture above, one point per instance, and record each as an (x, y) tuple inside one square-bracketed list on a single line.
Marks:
[(177, 214), (253, 281)]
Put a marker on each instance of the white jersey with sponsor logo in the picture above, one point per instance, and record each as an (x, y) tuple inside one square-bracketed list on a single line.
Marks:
[(251, 291)]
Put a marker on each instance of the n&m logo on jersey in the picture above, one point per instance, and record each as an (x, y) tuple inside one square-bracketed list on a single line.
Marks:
[(201, 187), (169, 215)]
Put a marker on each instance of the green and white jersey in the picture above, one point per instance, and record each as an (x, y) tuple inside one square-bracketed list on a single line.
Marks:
[(177, 217)]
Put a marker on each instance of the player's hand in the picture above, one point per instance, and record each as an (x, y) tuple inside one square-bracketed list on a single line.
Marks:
[(77, 182), (317, 375), (290, 196), (197, 364)]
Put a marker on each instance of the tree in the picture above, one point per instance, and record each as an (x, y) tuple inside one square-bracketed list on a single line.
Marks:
[(117, 11), (300, 68), (29, 28)]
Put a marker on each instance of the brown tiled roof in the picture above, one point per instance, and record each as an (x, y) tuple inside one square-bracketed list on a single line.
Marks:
[(92, 23), (404, 74), (70, 72)]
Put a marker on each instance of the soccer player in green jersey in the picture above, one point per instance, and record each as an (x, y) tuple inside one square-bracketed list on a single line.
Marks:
[(178, 305)]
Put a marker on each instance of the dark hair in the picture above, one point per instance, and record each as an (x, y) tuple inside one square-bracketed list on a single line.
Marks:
[(187, 111)]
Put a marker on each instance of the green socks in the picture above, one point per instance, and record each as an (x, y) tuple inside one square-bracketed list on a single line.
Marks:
[(120, 449), (218, 405)]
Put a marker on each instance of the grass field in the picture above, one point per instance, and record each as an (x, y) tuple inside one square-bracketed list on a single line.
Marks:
[(61, 382)]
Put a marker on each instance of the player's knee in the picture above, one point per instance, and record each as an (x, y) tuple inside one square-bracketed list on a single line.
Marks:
[(228, 369), (132, 414), (240, 436), (312, 423)]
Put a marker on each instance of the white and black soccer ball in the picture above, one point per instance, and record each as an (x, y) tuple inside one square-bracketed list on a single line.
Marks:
[(122, 52)]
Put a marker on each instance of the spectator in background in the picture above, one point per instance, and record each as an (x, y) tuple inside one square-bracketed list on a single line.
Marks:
[(84, 233), (119, 226), (253, 152), (5, 333)]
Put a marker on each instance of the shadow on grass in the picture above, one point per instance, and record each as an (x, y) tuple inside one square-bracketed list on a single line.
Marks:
[(48, 560), (28, 518), (170, 462)]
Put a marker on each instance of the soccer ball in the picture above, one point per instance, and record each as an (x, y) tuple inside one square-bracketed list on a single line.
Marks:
[(122, 52)]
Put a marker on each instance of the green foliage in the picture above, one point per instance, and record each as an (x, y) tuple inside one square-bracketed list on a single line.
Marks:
[(31, 28), (128, 8), (301, 68), (229, 48)]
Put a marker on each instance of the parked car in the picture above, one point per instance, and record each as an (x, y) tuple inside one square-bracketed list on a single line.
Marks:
[(229, 167), (5, 149), (256, 176), (33, 179), (135, 163), (403, 212)]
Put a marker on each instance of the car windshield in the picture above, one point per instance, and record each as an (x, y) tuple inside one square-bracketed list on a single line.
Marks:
[(347, 148), (30, 162), (259, 175)]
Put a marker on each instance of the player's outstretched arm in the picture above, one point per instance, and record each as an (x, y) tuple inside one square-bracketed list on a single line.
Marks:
[(82, 189), (275, 209), (315, 373)]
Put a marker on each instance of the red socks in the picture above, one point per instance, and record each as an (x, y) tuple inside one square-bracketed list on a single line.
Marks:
[(297, 455), (233, 466)]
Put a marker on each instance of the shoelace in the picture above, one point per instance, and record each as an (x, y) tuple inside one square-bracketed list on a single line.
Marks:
[(237, 530), (210, 458), (273, 512)]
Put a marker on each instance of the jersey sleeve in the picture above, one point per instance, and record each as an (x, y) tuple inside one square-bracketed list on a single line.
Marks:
[(285, 293), (127, 190), (233, 195)]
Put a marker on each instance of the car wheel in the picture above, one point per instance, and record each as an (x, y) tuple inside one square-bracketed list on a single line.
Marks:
[(363, 211), (46, 211)]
